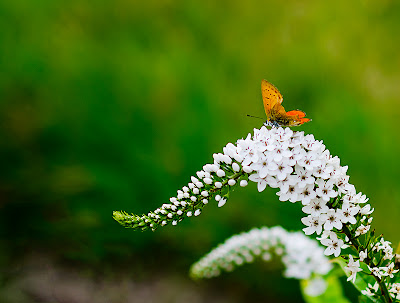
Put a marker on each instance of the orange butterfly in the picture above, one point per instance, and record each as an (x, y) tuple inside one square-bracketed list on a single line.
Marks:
[(276, 114)]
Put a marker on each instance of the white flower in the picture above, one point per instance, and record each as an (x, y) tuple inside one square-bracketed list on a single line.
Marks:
[(243, 183), (360, 198), (334, 245), (247, 150), (304, 177), (281, 151), (261, 182), (289, 193), (363, 255), (301, 256), (221, 202), (282, 171), (310, 161), (307, 194), (349, 211), (353, 267), (247, 169), (375, 271), (316, 207), (333, 219), (323, 171), (388, 270), (395, 290), (220, 173), (264, 166), (366, 210), (370, 290), (314, 224), (361, 230), (231, 182), (325, 189), (235, 167), (206, 181)]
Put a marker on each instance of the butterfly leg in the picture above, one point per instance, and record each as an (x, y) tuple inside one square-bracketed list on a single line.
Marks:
[(271, 123), (275, 124), (268, 123)]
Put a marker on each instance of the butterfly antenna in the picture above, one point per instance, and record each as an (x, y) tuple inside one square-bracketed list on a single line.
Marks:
[(255, 117)]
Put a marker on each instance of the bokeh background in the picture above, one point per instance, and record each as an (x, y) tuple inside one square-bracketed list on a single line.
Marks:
[(113, 105)]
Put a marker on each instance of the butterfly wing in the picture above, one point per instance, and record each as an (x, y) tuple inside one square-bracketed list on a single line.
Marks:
[(271, 97), (298, 113), (296, 117)]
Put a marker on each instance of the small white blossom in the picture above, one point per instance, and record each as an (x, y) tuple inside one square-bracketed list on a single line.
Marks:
[(349, 211), (207, 180), (235, 167), (221, 202), (231, 182), (199, 184), (301, 256), (395, 291), (314, 224), (334, 219), (316, 207), (334, 245), (220, 173), (363, 255), (307, 194), (243, 183), (304, 177), (204, 193), (325, 190), (388, 270), (370, 290), (375, 271), (361, 230), (366, 210), (353, 267), (261, 183)]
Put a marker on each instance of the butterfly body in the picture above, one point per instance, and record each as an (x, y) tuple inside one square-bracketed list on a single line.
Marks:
[(276, 114)]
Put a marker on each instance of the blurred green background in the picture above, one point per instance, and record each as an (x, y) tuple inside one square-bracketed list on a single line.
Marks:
[(113, 105)]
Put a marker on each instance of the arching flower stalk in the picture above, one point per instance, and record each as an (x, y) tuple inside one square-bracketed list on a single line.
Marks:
[(304, 171), (302, 257)]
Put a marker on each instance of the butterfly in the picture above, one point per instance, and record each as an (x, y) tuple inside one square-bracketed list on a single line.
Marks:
[(276, 114)]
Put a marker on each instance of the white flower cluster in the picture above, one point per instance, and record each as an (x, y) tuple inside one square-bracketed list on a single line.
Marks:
[(302, 256), (304, 171)]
